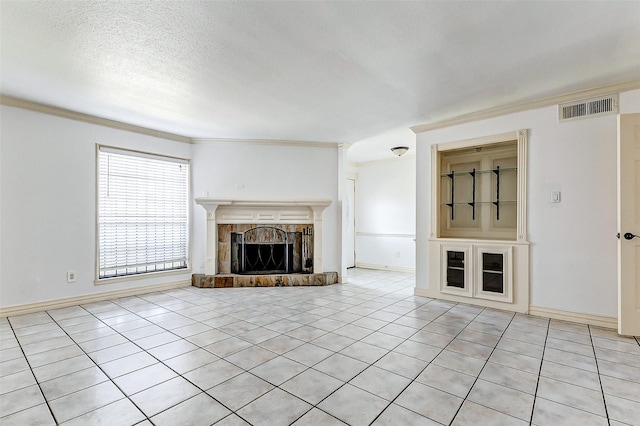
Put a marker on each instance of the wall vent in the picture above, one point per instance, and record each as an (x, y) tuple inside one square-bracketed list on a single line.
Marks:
[(601, 105)]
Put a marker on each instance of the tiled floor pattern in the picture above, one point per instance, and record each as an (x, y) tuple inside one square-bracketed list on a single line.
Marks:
[(366, 352)]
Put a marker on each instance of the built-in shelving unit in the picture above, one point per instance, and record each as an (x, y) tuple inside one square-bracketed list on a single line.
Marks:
[(478, 249), (473, 202)]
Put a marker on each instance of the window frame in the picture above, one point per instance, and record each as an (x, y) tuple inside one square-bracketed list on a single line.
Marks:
[(143, 275)]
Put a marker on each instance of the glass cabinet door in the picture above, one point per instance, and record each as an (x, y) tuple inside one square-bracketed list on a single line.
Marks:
[(493, 272), (494, 280), (456, 270)]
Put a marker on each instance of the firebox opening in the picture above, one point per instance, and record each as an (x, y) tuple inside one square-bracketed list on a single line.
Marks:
[(267, 250)]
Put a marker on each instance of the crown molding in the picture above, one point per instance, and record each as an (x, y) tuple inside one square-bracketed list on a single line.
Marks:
[(86, 118), (540, 103), (91, 119), (263, 142)]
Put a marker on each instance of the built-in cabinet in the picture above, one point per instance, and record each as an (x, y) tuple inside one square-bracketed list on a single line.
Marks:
[(478, 271), (478, 248)]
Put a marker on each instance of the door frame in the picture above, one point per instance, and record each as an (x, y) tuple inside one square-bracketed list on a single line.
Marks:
[(628, 146), (353, 218)]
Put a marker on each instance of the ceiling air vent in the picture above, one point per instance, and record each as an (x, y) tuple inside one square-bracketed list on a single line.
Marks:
[(588, 107)]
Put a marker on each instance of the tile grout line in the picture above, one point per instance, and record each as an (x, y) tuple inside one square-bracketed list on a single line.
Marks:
[(235, 412), (371, 364), (597, 372), (46, 401), (98, 365), (412, 380), (167, 366), (429, 363), (128, 340), (247, 371), (125, 308), (338, 352), (483, 367), (163, 363), (595, 357), (144, 350), (363, 296), (442, 349), (544, 349)]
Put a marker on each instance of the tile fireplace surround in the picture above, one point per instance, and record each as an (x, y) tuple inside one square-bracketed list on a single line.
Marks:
[(259, 213)]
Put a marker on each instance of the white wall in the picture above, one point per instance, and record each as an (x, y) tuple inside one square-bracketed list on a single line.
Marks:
[(386, 213), (573, 244), (259, 171), (48, 189), (48, 184)]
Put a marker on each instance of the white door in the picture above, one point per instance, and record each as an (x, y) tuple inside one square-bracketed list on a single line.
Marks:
[(629, 224), (350, 237)]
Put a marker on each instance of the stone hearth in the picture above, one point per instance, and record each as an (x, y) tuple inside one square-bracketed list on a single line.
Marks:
[(289, 280)]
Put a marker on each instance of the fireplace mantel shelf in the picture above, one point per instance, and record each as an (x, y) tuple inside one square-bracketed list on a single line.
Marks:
[(205, 201)]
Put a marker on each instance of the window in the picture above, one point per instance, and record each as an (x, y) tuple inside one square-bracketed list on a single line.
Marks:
[(143, 213)]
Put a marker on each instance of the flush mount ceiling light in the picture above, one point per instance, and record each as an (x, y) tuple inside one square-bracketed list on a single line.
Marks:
[(399, 150)]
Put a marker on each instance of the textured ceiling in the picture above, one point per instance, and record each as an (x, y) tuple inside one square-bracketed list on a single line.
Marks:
[(308, 71)]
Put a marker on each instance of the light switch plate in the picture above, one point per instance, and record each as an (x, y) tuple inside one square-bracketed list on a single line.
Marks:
[(555, 196)]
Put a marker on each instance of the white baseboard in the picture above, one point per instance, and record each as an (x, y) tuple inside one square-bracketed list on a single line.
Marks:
[(385, 267), (422, 292), (90, 298), (600, 321), (589, 319), (504, 306)]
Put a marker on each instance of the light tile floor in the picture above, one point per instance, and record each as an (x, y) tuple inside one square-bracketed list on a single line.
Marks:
[(366, 352)]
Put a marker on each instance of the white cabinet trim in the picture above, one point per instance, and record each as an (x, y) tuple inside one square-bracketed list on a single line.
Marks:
[(468, 277), (507, 275)]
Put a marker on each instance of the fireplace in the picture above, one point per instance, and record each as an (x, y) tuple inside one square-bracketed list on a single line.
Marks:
[(270, 250), (263, 244), (283, 219)]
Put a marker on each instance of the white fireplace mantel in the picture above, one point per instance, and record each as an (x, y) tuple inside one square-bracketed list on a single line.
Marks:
[(220, 211)]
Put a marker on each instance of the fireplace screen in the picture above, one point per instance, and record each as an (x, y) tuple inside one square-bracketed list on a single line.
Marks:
[(266, 250)]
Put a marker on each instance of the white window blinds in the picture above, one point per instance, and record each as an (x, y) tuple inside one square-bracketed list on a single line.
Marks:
[(143, 213)]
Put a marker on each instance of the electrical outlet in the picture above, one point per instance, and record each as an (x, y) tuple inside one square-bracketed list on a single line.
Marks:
[(71, 276)]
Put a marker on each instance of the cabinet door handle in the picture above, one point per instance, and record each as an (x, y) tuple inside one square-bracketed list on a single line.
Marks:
[(630, 236)]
